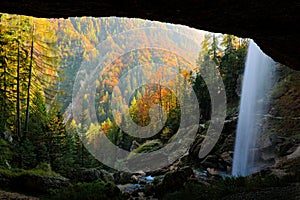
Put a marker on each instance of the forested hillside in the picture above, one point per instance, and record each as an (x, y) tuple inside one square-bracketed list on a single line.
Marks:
[(42, 59), (39, 62)]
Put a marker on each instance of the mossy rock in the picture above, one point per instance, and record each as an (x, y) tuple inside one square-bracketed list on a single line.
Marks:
[(34, 181), (147, 147), (6, 178), (35, 184)]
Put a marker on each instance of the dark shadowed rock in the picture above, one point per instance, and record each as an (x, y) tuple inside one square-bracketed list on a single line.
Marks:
[(39, 184), (106, 176), (122, 177), (174, 180), (91, 175), (271, 23)]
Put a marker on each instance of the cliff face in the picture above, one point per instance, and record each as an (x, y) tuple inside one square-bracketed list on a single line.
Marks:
[(271, 23), (280, 140)]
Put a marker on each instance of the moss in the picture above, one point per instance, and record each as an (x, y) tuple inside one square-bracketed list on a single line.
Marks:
[(33, 172), (147, 147)]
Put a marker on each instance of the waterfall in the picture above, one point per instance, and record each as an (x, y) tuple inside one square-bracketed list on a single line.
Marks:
[(257, 82)]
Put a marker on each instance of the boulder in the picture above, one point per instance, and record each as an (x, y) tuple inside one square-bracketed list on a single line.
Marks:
[(230, 124), (122, 177), (227, 157), (91, 175), (211, 161), (39, 184), (106, 176), (6, 180), (174, 180)]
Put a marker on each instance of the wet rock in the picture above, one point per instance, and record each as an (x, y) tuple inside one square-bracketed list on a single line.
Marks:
[(281, 149), (228, 144), (217, 162), (276, 139), (227, 157), (213, 172), (211, 161), (267, 155), (230, 124), (265, 143), (134, 178)]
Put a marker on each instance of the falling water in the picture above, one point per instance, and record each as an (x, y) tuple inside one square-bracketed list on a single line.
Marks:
[(257, 81)]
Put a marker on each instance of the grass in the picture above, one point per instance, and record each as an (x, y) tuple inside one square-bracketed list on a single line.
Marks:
[(33, 172)]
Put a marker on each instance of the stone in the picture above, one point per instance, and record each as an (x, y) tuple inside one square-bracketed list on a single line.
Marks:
[(267, 156), (149, 189), (230, 124), (275, 33), (39, 184), (295, 154), (211, 161), (281, 149), (174, 180), (89, 175), (106, 176), (6, 180), (122, 177), (266, 143), (227, 157), (212, 171)]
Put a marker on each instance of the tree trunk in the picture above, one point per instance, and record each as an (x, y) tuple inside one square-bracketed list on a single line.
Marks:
[(18, 88), (29, 85), (4, 91)]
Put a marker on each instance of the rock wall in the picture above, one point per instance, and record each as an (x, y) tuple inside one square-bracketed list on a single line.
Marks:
[(280, 141), (271, 23)]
